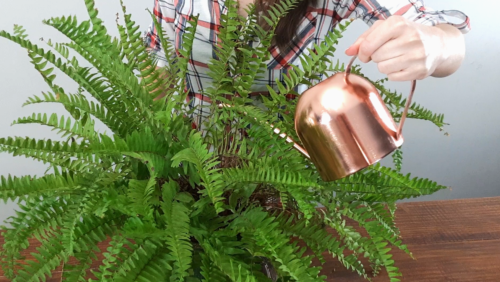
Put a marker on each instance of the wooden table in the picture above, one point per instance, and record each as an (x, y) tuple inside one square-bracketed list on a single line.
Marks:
[(456, 241)]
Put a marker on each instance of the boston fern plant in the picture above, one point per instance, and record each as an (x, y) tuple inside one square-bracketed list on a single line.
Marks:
[(173, 203)]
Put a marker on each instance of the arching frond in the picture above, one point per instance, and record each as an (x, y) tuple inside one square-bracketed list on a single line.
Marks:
[(182, 204)]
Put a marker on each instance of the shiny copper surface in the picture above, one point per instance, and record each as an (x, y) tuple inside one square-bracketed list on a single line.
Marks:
[(345, 126)]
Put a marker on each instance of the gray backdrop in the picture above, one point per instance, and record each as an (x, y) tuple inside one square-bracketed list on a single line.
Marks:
[(467, 160)]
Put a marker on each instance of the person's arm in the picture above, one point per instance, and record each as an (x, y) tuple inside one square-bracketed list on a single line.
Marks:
[(405, 50), (409, 41), (453, 51)]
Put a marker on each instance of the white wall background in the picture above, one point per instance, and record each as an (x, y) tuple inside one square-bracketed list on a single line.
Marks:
[(467, 160)]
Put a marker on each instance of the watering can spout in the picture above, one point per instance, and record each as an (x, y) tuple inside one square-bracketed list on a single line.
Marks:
[(290, 140), (279, 133)]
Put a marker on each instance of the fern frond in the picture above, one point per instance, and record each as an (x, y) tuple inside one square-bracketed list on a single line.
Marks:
[(356, 243), (95, 88), (12, 188), (78, 272), (206, 164), (66, 161), (140, 193), (180, 204), (133, 47), (147, 260), (64, 125), (393, 179), (33, 219), (80, 102), (93, 13), (126, 85), (380, 235), (176, 216), (259, 227), (49, 256), (77, 210), (397, 159), (20, 31), (234, 269), (263, 175), (183, 55), (36, 148), (210, 271), (383, 184), (319, 240), (387, 261), (110, 258)]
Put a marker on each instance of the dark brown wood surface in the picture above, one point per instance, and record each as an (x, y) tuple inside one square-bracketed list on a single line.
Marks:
[(455, 241)]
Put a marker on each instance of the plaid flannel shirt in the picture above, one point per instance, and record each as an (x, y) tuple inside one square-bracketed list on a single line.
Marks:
[(318, 20)]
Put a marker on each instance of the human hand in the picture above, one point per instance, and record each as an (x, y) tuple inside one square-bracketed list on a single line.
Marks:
[(402, 49)]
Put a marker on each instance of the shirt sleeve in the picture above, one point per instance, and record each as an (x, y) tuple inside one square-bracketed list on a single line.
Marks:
[(372, 10), (164, 13)]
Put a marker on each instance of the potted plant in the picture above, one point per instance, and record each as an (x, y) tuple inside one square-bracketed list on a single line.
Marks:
[(175, 203)]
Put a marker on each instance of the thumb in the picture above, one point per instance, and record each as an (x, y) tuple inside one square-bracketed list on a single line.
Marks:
[(354, 48)]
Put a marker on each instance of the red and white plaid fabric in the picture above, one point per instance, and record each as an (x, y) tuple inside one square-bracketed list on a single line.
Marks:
[(173, 15)]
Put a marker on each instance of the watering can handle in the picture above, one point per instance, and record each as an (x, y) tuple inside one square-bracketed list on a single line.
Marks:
[(408, 102)]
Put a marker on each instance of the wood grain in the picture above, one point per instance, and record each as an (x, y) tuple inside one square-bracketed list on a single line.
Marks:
[(455, 240)]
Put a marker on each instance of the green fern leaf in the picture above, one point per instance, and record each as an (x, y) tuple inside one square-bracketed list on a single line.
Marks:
[(12, 188), (78, 272), (258, 226), (146, 261), (63, 125), (198, 154), (176, 216)]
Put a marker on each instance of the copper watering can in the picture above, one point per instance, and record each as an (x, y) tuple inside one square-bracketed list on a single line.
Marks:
[(345, 125)]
